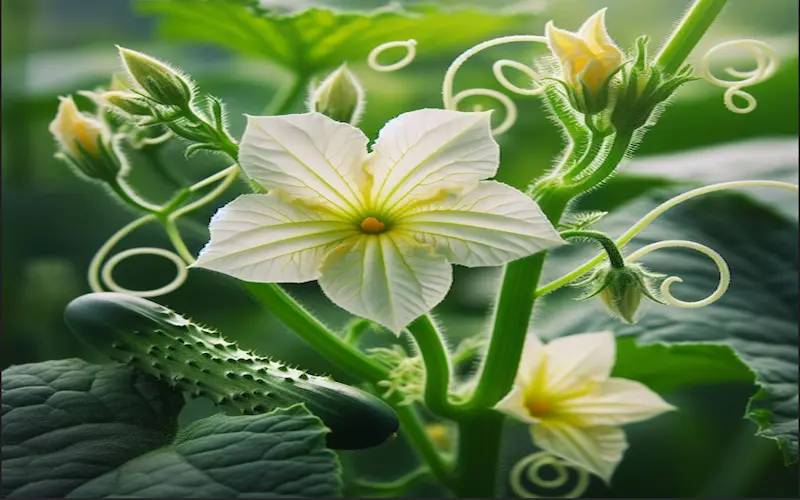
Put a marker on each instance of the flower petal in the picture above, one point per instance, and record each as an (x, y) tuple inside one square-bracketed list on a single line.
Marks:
[(597, 449), (533, 354), (594, 33), (616, 401), (576, 360), (388, 278), (426, 151), (262, 238), (565, 45), (514, 405), (488, 226), (308, 156)]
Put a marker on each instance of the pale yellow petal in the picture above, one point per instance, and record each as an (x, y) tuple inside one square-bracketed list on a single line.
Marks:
[(616, 401), (576, 360), (514, 405), (597, 449), (564, 44)]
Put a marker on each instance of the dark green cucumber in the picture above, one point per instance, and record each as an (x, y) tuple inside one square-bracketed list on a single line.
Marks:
[(199, 361)]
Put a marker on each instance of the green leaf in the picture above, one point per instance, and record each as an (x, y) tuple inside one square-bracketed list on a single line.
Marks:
[(319, 38), (279, 454), (73, 429), (757, 318), (68, 421)]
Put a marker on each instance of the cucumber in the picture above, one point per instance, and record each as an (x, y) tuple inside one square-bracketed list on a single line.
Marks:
[(198, 360)]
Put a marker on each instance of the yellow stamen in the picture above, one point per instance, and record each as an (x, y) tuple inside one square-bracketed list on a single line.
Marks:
[(372, 225)]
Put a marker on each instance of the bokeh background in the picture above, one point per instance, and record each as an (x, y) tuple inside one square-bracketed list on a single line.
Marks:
[(54, 222)]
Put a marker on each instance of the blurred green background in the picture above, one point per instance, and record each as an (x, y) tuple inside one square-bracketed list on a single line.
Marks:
[(53, 222)]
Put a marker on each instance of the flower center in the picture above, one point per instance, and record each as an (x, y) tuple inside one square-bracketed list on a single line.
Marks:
[(538, 408), (371, 225)]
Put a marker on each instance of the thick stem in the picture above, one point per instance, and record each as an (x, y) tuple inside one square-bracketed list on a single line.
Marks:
[(437, 366), (616, 153), (686, 35), (480, 437)]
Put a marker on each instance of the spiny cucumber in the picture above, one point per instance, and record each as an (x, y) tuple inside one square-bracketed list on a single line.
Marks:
[(198, 360)]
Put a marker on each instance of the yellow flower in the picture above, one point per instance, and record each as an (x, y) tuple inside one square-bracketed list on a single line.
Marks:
[(75, 130), (565, 391), (589, 57)]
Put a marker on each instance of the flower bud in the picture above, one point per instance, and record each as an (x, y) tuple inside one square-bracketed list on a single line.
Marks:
[(160, 82), (127, 101), (589, 59), (643, 88), (119, 81), (83, 142), (621, 289), (339, 97)]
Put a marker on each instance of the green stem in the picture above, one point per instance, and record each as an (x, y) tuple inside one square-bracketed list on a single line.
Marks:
[(613, 252), (130, 198), (588, 157), (284, 100), (437, 366), (175, 238), (413, 428), (616, 153), (310, 329), (686, 35), (480, 437)]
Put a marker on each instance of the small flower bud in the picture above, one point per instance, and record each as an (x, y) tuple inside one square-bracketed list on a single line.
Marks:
[(160, 82), (589, 59), (127, 101), (621, 289), (83, 142), (339, 97)]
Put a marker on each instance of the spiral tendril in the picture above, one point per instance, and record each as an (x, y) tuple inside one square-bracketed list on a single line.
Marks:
[(666, 295), (653, 215), (411, 53), (766, 65), (451, 100), (529, 470), (100, 275)]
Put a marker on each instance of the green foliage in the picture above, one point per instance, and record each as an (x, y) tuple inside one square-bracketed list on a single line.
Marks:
[(78, 430), (757, 317), (319, 38), (199, 361)]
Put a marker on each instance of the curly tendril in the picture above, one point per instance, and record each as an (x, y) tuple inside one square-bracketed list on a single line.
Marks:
[(666, 295), (411, 53), (653, 215), (451, 101), (529, 469), (766, 65), (100, 275)]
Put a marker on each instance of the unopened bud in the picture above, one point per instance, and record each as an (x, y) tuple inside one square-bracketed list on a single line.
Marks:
[(339, 97), (159, 81), (119, 81), (621, 289), (127, 102)]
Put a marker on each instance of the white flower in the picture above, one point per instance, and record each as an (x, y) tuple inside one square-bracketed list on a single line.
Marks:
[(379, 230), (565, 390)]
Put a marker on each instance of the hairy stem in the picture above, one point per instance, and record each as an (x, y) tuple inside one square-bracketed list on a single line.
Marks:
[(689, 31), (437, 366), (613, 252)]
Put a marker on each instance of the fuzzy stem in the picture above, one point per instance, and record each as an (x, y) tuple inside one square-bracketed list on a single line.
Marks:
[(437, 366), (613, 252), (686, 35)]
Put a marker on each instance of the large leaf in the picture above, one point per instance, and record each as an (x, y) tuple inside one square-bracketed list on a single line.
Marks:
[(278, 454), (73, 429), (757, 318), (319, 38), (66, 422)]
